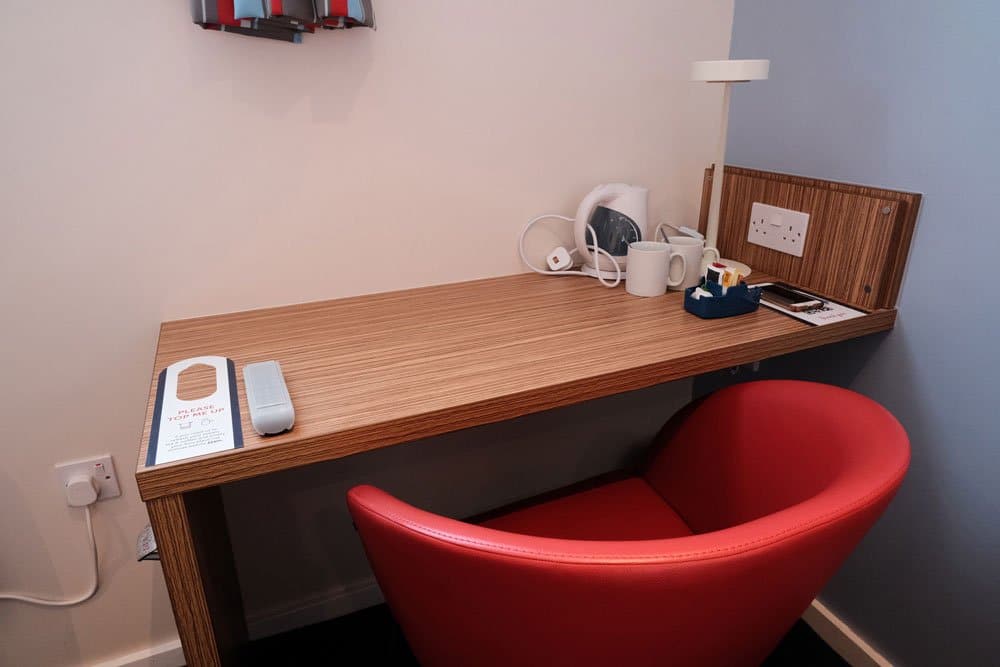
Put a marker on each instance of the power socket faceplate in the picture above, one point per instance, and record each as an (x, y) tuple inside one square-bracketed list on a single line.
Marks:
[(778, 228), (101, 467)]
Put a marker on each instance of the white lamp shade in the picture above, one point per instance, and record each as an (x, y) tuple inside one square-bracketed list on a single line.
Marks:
[(731, 71)]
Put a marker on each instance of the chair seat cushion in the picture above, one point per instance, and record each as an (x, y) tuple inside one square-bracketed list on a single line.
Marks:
[(627, 509)]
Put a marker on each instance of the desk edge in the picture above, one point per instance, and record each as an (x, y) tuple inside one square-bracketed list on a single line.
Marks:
[(210, 471)]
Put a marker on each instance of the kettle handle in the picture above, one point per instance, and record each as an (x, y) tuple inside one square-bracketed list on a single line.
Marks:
[(602, 194)]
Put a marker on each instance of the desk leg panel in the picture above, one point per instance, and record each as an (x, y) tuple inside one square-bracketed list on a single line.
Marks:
[(197, 560)]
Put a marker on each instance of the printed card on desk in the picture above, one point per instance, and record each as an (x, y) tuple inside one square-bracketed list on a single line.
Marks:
[(828, 313), (182, 429)]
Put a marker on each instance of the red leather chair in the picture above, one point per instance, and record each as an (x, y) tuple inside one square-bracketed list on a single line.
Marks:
[(753, 498)]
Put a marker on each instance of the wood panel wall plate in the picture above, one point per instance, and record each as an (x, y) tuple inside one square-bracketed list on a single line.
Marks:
[(858, 240)]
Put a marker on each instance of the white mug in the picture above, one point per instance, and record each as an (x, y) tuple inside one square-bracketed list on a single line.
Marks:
[(649, 264), (693, 251)]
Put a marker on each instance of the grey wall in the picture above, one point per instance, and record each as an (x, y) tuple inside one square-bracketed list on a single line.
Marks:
[(904, 95)]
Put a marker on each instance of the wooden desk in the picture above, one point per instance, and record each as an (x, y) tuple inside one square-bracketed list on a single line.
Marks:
[(379, 370)]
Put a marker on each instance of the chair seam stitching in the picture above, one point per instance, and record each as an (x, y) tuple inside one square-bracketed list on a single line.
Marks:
[(750, 545)]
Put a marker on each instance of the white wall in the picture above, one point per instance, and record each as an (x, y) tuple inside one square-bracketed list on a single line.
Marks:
[(152, 171)]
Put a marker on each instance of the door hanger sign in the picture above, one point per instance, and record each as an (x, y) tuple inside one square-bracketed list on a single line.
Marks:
[(183, 429)]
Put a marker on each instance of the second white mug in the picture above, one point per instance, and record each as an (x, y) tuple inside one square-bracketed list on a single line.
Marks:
[(694, 253)]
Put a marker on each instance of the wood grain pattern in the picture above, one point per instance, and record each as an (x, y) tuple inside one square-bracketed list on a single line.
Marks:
[(196, 382), (373, 371), (196, 555), (858, 239)]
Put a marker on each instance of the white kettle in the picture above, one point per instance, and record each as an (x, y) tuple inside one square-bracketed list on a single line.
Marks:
[(617, 215)]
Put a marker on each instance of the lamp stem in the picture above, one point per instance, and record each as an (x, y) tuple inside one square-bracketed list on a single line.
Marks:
[(715, 204)]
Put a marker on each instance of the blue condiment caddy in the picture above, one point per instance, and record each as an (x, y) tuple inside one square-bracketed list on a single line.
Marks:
[(738, 300)]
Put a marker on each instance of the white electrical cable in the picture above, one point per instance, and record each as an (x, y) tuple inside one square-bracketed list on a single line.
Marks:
[(73, 601), (598, 250), (681, 231)]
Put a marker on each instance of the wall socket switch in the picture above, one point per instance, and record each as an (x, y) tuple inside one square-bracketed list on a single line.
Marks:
[(778, 228), (101, 468)]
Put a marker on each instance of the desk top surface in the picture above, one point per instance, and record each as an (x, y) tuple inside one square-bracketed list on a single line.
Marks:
[(372, 371)]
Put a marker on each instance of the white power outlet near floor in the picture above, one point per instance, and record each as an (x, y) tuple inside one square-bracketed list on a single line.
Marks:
[(101, 468), (778, 228)]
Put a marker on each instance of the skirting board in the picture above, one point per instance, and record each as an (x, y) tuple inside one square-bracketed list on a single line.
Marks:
[(314, 609), (300, 613), (363, 594), (167, 654), (852, 648)]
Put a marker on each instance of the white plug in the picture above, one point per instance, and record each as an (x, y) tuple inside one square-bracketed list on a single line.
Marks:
[(558, 259), (81, 490)]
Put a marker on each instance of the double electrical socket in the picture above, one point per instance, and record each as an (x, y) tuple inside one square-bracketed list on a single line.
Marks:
[(101, 468), (778, 228)]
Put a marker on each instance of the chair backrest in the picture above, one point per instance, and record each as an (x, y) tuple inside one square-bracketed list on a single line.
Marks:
[(757, 448), (470, 595)]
